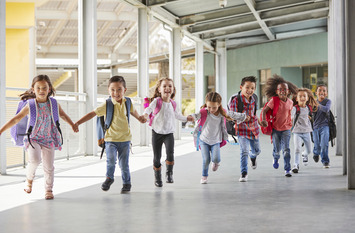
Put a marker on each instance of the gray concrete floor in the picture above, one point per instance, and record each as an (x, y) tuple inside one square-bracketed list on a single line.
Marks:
[(315, 200)]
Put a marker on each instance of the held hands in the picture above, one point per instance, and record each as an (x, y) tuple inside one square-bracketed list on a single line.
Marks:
[(142, 119), (264, 123), (75, 127), (190, 118), (247, 118)]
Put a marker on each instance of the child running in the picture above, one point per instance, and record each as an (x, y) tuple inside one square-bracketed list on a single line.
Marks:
[(304, 103), (248, 131), (321, 126), (280, 89), (211, 133), (118, 136), (164, 112), (45, 137)]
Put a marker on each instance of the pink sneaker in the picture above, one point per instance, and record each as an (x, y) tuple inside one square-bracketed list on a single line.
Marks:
[(215, 166), (203, 180)]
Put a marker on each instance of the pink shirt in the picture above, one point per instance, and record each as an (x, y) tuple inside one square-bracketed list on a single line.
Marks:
[(283, 116)]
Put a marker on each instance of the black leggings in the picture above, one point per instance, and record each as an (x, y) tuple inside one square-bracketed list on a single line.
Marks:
[(157, 144)]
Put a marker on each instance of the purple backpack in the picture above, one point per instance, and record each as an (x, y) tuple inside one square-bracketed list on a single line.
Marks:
[(25, 126)]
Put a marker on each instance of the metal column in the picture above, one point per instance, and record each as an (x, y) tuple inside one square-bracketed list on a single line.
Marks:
[(350, 94), (221, 71), (2, 84), (199, 76), (175, 71), (143, 66), (87, 21)]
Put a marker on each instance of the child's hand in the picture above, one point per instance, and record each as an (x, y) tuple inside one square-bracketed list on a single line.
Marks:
[(190, 118), (247, 118), (263, 123), (75, 127), (142, 119)]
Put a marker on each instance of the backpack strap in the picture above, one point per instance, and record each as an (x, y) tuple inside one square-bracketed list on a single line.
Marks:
[(128, 108), (256, 103), (109, 114), (173, 103), (202, 120), (276, 105), (32, 104), (55, 115), (298, 111), (240, 104)]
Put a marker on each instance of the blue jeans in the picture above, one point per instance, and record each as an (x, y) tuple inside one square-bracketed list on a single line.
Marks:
[(298, 138), (208, 152), (321, 143), (120, 150), (245, 151), (281, 141)]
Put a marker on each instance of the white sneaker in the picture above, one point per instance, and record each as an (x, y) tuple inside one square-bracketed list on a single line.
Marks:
[(243, 177), (215, 166), (203, 180), (305, 160)]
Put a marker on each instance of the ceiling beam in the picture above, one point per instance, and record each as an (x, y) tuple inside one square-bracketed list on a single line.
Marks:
[(271, 5), (296, 18), (214, 15), (298, 33), (251, 4), (159, 2), (246, 41)]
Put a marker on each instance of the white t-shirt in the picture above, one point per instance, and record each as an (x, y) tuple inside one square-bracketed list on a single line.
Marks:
[(164, 121)]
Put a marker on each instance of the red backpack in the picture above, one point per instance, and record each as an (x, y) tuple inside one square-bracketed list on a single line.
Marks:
[(270, 116)]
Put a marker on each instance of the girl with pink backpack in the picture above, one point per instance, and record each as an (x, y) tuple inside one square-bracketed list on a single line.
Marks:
[(211, 132), (161, 111)]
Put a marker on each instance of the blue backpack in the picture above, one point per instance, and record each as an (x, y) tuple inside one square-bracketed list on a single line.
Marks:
[(25, 126), (102, 124)]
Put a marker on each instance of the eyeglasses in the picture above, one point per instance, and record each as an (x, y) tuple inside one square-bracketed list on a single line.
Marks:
[(282, 89)]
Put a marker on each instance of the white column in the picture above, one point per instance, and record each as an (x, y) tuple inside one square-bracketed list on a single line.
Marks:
[(2, 85), (114, 70), (350, 94), (143, 67), (32, 53), (88, 65), (199, 76), (175, 72), (221, 71)]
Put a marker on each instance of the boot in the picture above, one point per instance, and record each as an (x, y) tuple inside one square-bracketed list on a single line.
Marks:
[(169, 172), (157, 174)]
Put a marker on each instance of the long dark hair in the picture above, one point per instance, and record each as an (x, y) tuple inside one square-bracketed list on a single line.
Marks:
[(272, 83), (29, 94)]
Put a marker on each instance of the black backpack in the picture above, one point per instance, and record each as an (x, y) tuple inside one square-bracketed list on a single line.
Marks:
[(240, 107)]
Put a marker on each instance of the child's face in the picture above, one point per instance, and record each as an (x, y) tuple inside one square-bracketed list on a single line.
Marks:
[(41, 90), (302, 97), (282, 91), (248, 89), (322, 93), (212, 107), (117, 91), (166, 89)]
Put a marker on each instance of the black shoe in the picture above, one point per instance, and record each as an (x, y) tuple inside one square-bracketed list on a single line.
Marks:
[(253, 163), (106, 185), (126, 188), (169, 177), (158, 182), (316, 158)]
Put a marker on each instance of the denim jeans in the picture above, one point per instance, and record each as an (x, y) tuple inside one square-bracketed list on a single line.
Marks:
[(281, 141), (120, 150), (246, 152), (298, 138), (208, 152), (321, 142)]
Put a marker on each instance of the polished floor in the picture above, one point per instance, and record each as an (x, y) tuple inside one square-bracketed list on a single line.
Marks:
[(314, 200)]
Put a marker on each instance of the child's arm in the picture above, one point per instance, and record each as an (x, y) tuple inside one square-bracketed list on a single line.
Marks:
[(263, 120), (326, 108), (67, 119), (140, 118), (16, 119), (238, 116), (85, 118)]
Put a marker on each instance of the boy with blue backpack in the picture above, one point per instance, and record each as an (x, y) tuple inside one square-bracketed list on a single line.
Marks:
[(248, 132), (117, 135)]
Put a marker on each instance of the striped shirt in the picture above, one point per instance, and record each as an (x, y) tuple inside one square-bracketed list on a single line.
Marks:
[(248, 129)]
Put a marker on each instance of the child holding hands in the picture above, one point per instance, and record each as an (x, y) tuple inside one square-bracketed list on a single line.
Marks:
[(118, 136), (45, 138), (213, 133)]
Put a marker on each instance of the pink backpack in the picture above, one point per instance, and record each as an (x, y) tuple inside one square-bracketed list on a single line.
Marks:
[(201, 122), (157, 107)]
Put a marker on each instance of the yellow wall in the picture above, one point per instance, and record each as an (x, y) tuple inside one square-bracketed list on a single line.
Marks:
[(20, 17)]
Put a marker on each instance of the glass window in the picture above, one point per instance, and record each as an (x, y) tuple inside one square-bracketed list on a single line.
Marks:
[(314, 75)]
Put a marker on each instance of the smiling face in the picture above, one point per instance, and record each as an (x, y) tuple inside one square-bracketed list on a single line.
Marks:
[(212, 107), (248, 89), (322, 93), (41, 90), (166, 89), (117, 91), (302, 98), (282, 91)]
